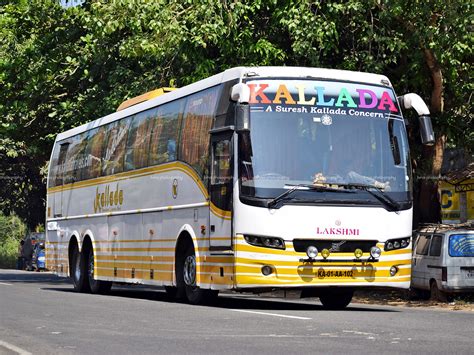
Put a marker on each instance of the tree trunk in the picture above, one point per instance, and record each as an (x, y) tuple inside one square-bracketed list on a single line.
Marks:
[(429, 207)]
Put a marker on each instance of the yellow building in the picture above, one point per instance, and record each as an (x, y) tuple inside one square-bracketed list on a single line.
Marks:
[(457, 196)]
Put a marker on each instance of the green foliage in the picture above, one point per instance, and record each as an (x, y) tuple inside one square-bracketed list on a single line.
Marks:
[(60, 67), (12, 230)]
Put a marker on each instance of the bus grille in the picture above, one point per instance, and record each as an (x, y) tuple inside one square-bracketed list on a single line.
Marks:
[(334, 246)]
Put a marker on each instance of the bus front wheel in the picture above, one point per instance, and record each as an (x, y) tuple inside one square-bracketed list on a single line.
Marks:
[(186, 279), (336, 298)]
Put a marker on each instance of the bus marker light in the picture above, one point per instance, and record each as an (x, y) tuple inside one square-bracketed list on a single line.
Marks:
[(358, 253), (393, 270), (312, 252), (267, 270), (325, 253), (375, 252)]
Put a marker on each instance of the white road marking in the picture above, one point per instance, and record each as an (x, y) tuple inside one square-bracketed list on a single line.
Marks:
[(6, 284), (269, 314), (14, 348)]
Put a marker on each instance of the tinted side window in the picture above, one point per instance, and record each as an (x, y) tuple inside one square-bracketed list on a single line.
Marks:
[(74, 158), (53, 166), (198, 120), (435, 248), (423, 244), (165, 132), (93, 153), (114, 151), (136, 154)]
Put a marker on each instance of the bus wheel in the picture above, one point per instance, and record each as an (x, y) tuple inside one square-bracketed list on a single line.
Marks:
[(78, 271), (186, 277), (336, 299), (96, 286)]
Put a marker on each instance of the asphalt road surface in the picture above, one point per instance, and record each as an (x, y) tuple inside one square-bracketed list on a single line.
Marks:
[(41, 314)]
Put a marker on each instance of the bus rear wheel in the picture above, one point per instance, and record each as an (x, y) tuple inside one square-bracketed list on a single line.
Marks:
[(186, 279), (336, 299), (78, 271), (96, 286)]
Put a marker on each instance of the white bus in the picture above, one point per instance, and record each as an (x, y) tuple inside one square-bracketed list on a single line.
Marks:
[(257, 178)]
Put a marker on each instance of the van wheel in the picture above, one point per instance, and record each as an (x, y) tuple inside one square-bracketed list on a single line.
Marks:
[(336, 299), (436, 293), (96, 286), (78, 271), (186, 278)]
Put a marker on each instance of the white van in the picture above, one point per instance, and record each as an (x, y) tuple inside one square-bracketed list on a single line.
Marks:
[(443, 261)]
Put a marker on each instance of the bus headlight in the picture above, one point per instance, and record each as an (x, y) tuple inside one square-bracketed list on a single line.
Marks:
[(358, 253), (312, 252), (267, 242), (393, 270), (399, 243), (375, 252)]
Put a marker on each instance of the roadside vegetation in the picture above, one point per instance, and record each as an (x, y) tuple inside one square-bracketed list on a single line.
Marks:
[(62, 67), (12, 230)]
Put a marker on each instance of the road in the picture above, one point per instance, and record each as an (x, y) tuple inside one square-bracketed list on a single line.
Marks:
[(41, 314)]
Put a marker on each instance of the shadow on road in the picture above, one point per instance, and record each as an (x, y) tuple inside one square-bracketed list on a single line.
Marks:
[(226, 301), (19, 276)]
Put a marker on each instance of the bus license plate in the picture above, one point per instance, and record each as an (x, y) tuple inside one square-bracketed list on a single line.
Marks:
[(335, 273)]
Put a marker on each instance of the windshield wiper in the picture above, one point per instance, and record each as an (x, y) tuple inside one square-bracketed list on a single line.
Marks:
[(377, 192), (320, 188)]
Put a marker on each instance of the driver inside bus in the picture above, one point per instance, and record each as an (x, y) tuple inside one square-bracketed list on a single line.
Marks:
[(351, 156)]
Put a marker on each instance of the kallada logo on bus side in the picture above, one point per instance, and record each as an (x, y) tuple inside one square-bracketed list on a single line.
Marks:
[(108, 200)]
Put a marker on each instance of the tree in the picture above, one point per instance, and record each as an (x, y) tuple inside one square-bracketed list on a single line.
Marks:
[(62, 67)]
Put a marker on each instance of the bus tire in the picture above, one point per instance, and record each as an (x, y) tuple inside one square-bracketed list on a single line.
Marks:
[(186, 279), (96, 286), (336, 299), (78, 271)]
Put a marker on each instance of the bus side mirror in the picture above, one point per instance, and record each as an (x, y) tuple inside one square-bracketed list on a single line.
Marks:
[(242, 117), (426, 130), (415, 102)]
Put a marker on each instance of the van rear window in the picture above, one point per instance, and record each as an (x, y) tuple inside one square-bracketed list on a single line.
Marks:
[(461, 245)]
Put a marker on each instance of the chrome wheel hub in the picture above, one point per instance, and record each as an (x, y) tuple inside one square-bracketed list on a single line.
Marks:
[(91, 266), (77, 268), (189, 270)]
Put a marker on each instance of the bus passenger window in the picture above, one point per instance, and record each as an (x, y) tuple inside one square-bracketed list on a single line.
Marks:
[(137, 144), (164, 131), (73, 162), (94, 153), (56, 178), (114, 151), (198, 120)]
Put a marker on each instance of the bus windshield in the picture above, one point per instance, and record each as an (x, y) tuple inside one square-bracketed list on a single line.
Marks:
[(323, 133)]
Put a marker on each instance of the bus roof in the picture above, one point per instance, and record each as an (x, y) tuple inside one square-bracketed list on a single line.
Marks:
[(228, 75)]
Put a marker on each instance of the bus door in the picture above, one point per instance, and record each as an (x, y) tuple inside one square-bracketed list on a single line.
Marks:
[(220, 188)]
